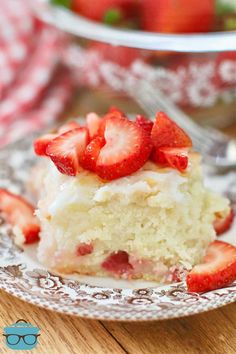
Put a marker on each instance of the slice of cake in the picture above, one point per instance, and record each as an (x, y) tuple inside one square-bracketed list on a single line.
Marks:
[(124, 199)]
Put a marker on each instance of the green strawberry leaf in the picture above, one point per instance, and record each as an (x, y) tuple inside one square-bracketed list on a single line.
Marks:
[(64, 3), (112, 16)]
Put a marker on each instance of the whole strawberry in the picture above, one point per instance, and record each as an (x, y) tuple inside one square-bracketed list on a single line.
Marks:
[(108, 11), (178, 16)]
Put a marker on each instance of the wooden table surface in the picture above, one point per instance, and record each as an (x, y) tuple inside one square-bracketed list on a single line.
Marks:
[(212, 332)]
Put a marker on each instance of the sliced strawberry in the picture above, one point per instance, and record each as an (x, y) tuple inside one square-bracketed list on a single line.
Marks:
[(145, 123), (92, 151), (166, 133), (20, 213), (126, 150), (102, 126), (117, 263), (159, 157), (67, 149), (113, 113), (68, 126), (114, 109), (93, 123), (84, 248), (217, 270), (41, 144), (223, 224), (176, 158)]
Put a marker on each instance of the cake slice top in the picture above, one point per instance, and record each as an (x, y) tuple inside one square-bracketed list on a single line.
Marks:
[(113, 146)]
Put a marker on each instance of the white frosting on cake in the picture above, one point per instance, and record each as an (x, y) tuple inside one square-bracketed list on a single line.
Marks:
[(87, 188)]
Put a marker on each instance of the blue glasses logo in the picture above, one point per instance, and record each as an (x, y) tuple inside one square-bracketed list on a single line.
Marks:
[(21, 335)]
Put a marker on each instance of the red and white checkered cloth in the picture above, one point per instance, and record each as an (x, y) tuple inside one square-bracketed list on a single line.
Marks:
[(34, 85)]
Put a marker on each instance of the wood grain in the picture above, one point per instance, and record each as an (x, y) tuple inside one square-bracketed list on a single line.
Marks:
[(59, 333), (213, 332)]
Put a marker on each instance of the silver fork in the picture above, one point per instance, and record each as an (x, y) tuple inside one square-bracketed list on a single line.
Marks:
[(217, 149)]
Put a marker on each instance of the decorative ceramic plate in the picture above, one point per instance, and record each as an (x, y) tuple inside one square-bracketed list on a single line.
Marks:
[(99, 298)]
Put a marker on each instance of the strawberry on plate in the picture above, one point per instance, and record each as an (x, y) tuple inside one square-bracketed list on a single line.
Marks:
[(217, 270), (127, 148), (41, 143), (223, 224), (67, 149), (176, 158), (178, 16), (20, 213)]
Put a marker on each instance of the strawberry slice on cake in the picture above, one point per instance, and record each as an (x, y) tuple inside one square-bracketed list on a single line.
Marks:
[(145, 123), (91, 153), (127, 148), (41, 143), (67, 149), (171, 143)]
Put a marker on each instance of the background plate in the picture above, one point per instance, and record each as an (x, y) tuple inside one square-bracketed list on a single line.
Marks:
[(99, 298)]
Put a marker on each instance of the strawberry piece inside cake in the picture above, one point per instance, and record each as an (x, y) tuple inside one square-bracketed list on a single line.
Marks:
[(124, 198)]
